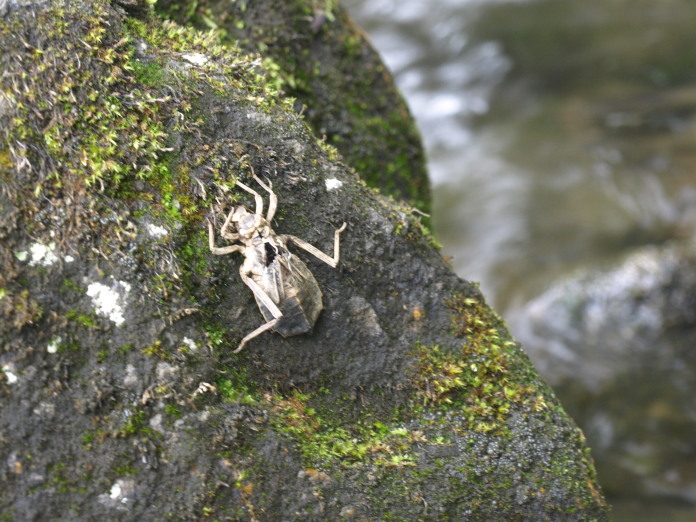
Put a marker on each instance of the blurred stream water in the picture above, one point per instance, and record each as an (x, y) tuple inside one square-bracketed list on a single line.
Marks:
[(560, 137)]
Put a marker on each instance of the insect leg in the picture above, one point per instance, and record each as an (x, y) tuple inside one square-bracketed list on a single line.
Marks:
[(259, 330), (331, 261), (217, 250), (257, 197), (262, 296), (272, 198), (223, 231)]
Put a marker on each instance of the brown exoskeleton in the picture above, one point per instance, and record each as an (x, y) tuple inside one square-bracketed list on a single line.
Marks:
[(285, 290)]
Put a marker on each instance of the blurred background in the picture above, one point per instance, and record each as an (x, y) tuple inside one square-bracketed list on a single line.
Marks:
[(561, 138)]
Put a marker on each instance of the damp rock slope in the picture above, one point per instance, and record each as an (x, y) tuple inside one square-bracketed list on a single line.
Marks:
[(121, 132)]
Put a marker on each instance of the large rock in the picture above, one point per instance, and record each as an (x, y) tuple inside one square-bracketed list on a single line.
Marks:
[(618, 346), (120, 395)]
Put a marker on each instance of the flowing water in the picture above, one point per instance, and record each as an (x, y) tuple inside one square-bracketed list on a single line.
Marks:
[(560, 133)]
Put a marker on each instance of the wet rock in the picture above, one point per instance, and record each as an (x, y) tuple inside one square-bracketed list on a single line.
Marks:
[(408, 400), (617, 346)]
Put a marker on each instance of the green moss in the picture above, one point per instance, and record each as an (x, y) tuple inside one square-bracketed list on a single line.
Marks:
[(20, 308), (235, 386), (325, 440), (68, 284), (157, 350), (5, 159), (110, 117), (125, 468), (318, 57), (479, 380), (172, 410), (135, 425), (195, 253), (69, 347), (220, 66), (413, 224), (126, 348), (64, 481), (216, 334), (115, 135), (86, 320), (92, 437)]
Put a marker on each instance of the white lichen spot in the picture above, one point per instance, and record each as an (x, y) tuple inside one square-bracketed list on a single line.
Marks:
[(156, 231), (54, 345), (123, 491), (333, 184), (10, 375), (190, 344), (115, 492), (44, 255), (108, 301), (195, 58), (22, 256), (121, 495), (68, 259)]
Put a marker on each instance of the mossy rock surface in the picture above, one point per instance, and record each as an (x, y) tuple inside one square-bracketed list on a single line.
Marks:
[(317, 55), (120, 397)]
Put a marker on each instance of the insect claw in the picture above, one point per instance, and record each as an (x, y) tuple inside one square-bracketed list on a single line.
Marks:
[(259, 330)]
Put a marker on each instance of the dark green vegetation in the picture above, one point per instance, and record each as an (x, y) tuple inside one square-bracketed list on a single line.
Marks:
[(478, 381), (120, 395)]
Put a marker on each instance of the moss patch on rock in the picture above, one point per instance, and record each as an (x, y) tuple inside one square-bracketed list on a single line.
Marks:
[(312, 51)]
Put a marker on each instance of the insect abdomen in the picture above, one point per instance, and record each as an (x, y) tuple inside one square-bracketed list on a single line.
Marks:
[(302, 304)]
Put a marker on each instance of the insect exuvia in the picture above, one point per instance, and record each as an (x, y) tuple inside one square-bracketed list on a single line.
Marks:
[(285, 290)]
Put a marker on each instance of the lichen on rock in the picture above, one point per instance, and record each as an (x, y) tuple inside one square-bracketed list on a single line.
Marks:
[(122, 132)]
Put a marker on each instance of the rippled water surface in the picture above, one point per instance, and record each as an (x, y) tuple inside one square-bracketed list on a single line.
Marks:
[(560, 133)]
